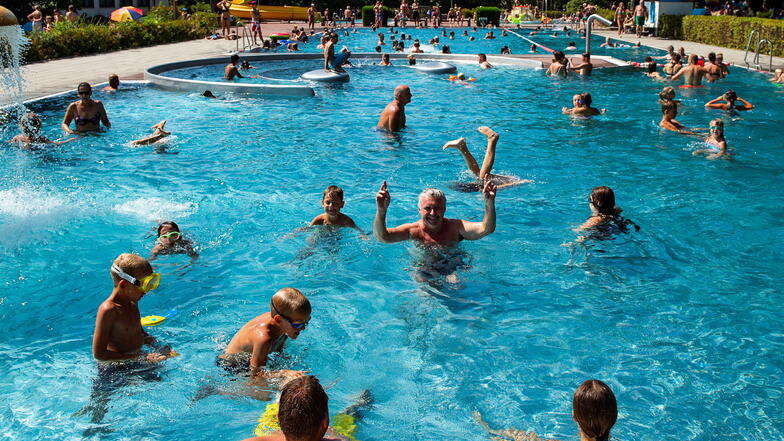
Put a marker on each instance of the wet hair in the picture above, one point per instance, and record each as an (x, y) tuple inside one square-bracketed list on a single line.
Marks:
[(652, 67), (668, 105), (289, 301), (718, 122), (585, 99), (445, 49), (334, 190), (482, 57), (378, 48), (712, 57), (132, 264), (648, 59), (234, 59), (670, 48), (84, 84), (603, 198), (114, 79), (693, 59), (571, 43), (385, 57), (676, 58), (594, 407), (666, 94), (170, 224), (30, 124), (303, 407), (208, 94), (433, 193), (730, 95)]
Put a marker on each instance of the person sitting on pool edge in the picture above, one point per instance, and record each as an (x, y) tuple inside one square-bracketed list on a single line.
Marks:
[(87, 113), (718, 145), (303, 415), (483, 174), (582, 106), (114, 84), (332, 62), (433, 228), (730, 97), (393, 118), (171, 241), (249, 349), (118, 331), (594, 409), (332, 202)]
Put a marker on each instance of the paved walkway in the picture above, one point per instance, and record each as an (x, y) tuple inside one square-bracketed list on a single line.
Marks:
[(734, 56), (55, 76)]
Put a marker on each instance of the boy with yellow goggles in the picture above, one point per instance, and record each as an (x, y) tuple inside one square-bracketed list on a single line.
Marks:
[(146, 284)]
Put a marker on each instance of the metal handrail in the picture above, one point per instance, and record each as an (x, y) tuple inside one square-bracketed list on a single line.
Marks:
[(748, 45), (757, 55), (588, 29)]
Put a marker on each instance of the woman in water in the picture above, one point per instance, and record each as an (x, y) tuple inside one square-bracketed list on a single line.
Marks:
[(171, 241), (716, 141), (653, 71), (483, 174), (674, 65), (87, 113), (594, 409), (558, 65), (730, 97), (385, 60)]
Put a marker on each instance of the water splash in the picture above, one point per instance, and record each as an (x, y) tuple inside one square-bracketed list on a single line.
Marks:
[(12, 44)]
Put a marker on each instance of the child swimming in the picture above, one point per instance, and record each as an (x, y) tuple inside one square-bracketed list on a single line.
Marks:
[(171, 241), (716, 141), (582, 106), (249, 349), (332, 202), (31, 126), (594, 409), (605, 216)]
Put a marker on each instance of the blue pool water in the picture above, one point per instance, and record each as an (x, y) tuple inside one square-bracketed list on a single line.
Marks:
[(682, 319)]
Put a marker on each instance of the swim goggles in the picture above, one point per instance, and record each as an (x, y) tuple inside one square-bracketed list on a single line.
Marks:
[(174, 234), (145, 284), (295, 325)]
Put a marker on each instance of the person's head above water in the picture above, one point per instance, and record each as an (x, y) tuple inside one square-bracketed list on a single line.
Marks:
[(304, 409), (84, 90), (482, 58), (730, 96), (594, 409), (132, 267), (669, 108), (693, 58), (432, 205), (234, 59), (652, 67), (602, 199), (30, 124), (402, 94), (385, 58), (666, 94), (585, 99), (717, 128), (114, 81), (208, 94), (289, 305), (332, 200)]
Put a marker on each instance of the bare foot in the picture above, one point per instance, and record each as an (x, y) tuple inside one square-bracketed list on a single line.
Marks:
[(456, 144), (160, 125), (487, 131)]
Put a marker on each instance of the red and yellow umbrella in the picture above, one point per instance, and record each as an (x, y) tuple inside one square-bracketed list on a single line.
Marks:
[(126, 13)]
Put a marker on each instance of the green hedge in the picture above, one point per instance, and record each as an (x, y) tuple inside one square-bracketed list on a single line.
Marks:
[(369, 15), (492, 14), (68, 40), (671, 26), (732, 32)]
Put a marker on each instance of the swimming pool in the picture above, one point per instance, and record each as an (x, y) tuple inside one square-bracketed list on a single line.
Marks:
[(682, 319)]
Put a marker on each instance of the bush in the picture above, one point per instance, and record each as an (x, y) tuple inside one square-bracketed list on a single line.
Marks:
[(671, 26), (492, 14), (369, 15), (732, 32), (68, 39)]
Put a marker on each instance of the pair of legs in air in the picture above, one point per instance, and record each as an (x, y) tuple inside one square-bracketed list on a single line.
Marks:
[(483, 173)]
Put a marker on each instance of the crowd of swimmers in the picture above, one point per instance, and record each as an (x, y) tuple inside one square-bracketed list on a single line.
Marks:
[(302, 409)]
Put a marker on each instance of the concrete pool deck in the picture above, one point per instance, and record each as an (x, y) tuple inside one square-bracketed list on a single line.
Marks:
[(51, 77)]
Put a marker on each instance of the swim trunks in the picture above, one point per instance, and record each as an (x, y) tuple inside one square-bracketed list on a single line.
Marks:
[(342, 424), (339, 59), (236, 364), (639, 21)]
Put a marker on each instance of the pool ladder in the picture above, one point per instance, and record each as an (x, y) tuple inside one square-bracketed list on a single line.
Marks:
[(756, 60), (589, 27)]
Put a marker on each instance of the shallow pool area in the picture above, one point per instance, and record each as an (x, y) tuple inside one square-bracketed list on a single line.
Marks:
[(682, 319)]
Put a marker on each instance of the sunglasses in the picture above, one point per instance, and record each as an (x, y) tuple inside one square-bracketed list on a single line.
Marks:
[(87, 92), (295, 325), (171, 234)]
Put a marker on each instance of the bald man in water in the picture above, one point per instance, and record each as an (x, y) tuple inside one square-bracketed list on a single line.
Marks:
[(393, 118), (692, 74)]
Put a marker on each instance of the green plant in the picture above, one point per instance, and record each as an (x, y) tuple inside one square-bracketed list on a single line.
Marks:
[(671, 26), (159, 14), (732, 32), (492, 14), (369, 15)]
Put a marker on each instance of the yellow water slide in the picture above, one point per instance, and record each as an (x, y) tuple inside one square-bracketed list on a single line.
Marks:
[(241, 9)]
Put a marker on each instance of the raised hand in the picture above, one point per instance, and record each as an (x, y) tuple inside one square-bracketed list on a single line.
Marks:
[(382, 197), (489, 190)]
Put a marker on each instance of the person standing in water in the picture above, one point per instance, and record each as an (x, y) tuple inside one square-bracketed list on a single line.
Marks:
[(716, 141), (393, 118), (692, 74), (87, 113)]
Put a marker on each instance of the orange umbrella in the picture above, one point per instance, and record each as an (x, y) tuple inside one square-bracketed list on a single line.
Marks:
[(126, 13)]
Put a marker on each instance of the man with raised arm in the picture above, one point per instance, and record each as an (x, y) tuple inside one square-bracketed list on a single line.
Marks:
[(692, 74), (393, 118), (433, 228)]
